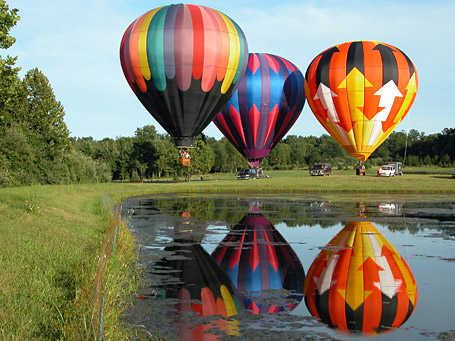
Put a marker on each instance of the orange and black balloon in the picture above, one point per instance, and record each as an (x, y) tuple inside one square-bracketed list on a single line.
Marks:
[(360, 91)]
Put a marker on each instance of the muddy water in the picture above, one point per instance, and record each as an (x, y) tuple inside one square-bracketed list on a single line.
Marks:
[(294, 267)]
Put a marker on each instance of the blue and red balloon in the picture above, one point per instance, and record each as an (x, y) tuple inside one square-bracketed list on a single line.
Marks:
[(264, 107)]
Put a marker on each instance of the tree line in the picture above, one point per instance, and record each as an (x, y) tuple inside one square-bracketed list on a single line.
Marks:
[(148, 154), (35, 146)]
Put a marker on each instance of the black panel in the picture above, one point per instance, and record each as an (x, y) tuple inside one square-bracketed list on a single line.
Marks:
[(389, 64), (355, 57), (322, 71)]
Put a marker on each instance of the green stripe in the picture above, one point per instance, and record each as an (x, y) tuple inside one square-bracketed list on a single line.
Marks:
[(242, 51), (155, 48)]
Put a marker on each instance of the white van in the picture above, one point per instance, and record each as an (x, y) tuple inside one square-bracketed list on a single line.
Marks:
[(386, 170)]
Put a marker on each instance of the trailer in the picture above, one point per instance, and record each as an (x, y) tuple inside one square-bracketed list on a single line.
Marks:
[(398, 167)]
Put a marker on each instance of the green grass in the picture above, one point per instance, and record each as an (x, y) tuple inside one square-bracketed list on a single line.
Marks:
[(52, 238)]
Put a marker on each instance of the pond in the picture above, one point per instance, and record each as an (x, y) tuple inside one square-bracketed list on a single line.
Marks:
[(294, 267)]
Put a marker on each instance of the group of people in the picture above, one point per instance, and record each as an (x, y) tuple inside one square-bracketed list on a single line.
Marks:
[(184, 154)]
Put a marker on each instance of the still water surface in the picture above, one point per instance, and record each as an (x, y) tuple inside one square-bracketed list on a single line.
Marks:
[(294, 267)]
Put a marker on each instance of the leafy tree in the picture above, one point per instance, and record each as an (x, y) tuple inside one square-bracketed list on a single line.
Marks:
[(233, 159), (8, 19), (44, 113), (122, 167), (167, 162), (202, 157), (11, 94), (145, 150), (280, 156), (34, 143), (300, 149), (219, 153)]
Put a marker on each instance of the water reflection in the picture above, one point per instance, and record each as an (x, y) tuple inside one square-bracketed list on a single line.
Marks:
[(200, 288), (360, 283), (261, 264), (176, 228)]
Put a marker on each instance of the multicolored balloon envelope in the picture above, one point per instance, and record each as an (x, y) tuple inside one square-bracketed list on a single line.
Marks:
[(257, 258), (200, 286), (360, 91), (360, 283), (266, 104), (183, 62)]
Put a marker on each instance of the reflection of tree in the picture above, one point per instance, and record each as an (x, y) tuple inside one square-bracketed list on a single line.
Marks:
[(296, 212), (199, 286)]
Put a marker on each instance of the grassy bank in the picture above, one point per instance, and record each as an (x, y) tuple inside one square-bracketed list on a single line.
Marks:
[(56, 244)]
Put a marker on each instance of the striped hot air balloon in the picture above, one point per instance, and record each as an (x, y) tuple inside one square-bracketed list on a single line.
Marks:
[(257, 258), (266, 104), (183, 62), (360, 91), (360, 283)]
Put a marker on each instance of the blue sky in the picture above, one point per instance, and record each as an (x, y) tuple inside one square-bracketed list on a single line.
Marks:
[(76, 45)]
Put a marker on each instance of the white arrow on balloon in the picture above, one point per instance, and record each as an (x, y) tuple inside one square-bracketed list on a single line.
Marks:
[(388, 93), (325, 95)]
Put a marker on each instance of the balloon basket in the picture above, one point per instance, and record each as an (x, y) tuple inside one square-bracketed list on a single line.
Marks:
[(183, 161), (360, 171)]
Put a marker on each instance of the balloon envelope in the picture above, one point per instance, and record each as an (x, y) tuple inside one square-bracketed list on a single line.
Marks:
[(266, 104), (183, 62), (257, 258), (360, 91), (360, 283)]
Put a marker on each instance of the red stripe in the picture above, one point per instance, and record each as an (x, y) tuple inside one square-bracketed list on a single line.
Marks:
[(254, 253), (220, 122), (208, 302), (253, 63), (225, 46), (235, 258), (271, 254), (254, 116), (286, 125), (273, 64), (237, 120), (273, 115)]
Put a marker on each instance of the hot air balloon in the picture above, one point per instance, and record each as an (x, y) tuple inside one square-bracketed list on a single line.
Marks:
[(360, 283), (360, 91), (199, 286), (257, 259), (266, 104), (183, 62)]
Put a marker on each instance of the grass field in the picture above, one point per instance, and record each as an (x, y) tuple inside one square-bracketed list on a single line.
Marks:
[(58, 259)]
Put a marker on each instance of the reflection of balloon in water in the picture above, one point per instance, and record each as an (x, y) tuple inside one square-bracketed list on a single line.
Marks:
[(183, 62), (266, 104), (360, 283), (360, 91), (201, 287), (257, 258)]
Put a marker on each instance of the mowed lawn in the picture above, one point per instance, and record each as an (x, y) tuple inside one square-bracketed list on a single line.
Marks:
[(58, 260)]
